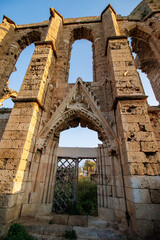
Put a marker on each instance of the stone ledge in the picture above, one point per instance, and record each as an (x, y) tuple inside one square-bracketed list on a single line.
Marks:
[(29, 100), (9, 20), (32, 25), (114, 38), (124, 98)]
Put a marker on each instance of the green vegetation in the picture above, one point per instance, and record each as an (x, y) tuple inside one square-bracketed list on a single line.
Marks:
[(68, 199), (50, 222), (70, 234), (145, 12), (17, 232), (87, 199), (152, 1), (89, 166)]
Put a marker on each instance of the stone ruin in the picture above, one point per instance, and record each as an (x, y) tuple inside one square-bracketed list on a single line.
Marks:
[(114, 105)]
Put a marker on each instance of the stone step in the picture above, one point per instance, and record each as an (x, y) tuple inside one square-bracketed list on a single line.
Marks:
[(77, 220), (105, 234), (53, 231)]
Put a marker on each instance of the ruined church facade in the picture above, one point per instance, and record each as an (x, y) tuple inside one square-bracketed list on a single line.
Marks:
[(114, 105)]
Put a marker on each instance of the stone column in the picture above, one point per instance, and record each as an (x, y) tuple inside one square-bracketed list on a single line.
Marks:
[(109, 22), (112, 187), (8, 56), (42, 178), (138, 146), (18, 142)]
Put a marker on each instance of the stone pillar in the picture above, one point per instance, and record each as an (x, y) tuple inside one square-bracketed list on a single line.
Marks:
[(6, 33), (138, 146), (109, 22), (18, 142), (111, 185), (104, 184), (16, 148), (42, 179), (7, 55)]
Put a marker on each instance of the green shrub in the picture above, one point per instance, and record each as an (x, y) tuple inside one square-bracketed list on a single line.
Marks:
[(17, 232), (50, 222), (87, 199), (70, 234)]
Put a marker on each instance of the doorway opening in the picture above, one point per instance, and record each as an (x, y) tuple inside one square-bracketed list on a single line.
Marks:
[(76, 187), (76, 177)]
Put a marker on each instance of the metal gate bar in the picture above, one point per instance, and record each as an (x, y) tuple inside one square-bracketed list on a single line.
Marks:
[(66, 184)]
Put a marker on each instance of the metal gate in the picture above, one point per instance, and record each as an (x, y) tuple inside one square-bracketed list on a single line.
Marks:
[(66, 188)]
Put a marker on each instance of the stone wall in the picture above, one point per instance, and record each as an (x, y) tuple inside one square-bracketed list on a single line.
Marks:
[(154, 114), (114, 105), (4, 116)]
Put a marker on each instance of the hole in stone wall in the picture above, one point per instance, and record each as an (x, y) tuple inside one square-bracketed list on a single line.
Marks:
[(146, 83), (81, 61), (16, 78)]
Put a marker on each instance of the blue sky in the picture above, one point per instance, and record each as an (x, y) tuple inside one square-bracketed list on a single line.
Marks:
[(23, 12), (33, 11)]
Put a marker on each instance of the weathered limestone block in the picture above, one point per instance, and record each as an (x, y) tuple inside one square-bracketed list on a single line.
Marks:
[(106, 214), (154, 114), (143, 227), (148, 182), (138, 195), (144, 169), (141, 145), (8, 200), (9, 214), (145, 211), (125, 79), (155, 196), (39, 209), (4, 116)]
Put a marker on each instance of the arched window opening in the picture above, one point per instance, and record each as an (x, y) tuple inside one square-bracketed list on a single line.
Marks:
[(81, 61), (145, 82), (76, 179), (79, 137), (17, 76)]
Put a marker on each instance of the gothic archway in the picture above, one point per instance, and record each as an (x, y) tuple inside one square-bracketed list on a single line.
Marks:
[(77, 108), (145, 44), (14, 49)]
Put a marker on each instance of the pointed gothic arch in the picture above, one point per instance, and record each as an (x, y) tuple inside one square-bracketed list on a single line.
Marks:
[(77, 108), (145, 43)]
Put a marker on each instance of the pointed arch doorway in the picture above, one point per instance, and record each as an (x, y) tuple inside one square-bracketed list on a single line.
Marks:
[(79, 107), (76, 176), (74, 185)]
